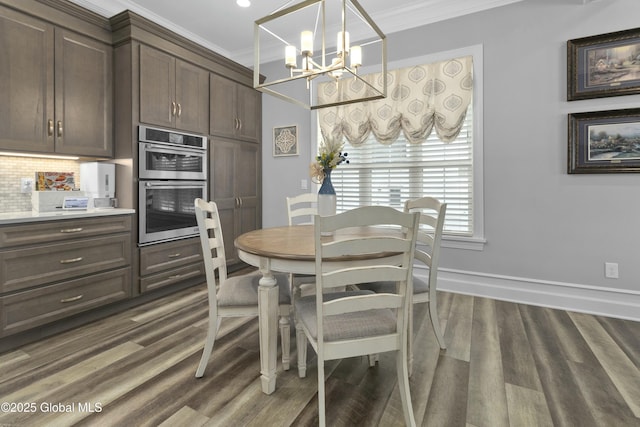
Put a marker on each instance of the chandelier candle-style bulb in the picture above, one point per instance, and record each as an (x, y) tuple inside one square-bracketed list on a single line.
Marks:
[(346, 42), (356, 56), (306, 43), (290, 56)]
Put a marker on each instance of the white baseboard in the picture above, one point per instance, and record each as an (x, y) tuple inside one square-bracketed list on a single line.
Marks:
[(610, 302)]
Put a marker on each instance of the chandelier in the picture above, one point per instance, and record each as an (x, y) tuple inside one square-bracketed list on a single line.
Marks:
[(294, 46)]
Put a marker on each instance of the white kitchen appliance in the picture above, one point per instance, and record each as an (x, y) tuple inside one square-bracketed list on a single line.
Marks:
[(51, 201), (98, 180)]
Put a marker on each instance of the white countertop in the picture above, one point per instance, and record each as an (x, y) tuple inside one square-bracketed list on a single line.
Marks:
[(31, 216)]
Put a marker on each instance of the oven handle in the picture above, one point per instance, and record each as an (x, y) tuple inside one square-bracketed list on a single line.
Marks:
[(174, 184), (168, 149)]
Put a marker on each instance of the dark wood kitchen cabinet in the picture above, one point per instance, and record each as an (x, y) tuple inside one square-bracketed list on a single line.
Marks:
[(173, 93), (236, 187), (235, 159), (56, 88), (51, 270), (235, 110), (165, 264), (144, 54)]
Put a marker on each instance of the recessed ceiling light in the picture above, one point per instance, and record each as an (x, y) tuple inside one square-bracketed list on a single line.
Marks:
[(243, 3)]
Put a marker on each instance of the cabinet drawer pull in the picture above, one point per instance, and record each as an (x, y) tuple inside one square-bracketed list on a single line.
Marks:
[(174, 255), (71, 230), (59, 128), (50, 127), (175, 276), (173, 108), (72, 299), (70, 261), (179, 110)]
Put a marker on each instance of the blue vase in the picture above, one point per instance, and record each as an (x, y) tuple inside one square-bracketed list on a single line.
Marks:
[(327, 186), (327, 196)]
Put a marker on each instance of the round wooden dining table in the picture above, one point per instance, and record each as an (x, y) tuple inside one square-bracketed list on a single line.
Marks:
[(288, 249)]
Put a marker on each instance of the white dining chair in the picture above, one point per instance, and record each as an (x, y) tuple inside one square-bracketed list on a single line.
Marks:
[(432, 215), (359, 323), (235, 296), (302, 208), (300, 211)]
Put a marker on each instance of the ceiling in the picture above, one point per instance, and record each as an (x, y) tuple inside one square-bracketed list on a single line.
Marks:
[(226, 28)]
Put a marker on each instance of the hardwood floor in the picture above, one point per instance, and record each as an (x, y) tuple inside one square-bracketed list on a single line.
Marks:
[(506, 365)]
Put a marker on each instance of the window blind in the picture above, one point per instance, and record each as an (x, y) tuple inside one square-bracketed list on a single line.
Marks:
[(388, 175)]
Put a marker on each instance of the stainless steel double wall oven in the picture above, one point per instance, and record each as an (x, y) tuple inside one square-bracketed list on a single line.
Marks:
[(172, 172)]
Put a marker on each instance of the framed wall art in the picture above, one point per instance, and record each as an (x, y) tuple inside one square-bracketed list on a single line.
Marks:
[(285, 141), (604, 142), (604, 65)]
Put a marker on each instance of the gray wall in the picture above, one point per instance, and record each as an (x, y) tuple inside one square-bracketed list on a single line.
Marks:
[(541, 224)]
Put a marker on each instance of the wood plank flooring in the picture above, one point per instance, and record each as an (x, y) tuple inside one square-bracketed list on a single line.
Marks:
[(506, 365)]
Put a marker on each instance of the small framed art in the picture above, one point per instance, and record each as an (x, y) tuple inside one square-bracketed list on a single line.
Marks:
[(285, 141), (604, 65), (604, 142)]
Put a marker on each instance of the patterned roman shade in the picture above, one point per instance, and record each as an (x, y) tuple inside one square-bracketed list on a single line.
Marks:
[(419, 99)]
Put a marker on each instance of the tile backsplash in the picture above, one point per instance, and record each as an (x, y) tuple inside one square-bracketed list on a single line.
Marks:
[(12, 169)]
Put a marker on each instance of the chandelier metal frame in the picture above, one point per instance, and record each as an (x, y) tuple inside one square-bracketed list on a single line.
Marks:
[(310, 69)]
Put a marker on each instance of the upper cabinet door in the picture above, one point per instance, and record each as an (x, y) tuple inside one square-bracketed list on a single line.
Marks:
[(173, 93), (157, 87), (84, 96), (69, 114), (26, 83), (192, 98), (249, 113), (235, 110), (223, 119)]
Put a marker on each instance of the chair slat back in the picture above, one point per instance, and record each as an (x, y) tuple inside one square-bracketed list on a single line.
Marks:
[(395, 234), (302, 208), (432, 214), (362, 303), (212, 244), (354, 276)]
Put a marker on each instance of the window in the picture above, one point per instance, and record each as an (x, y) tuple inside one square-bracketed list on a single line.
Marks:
[(390, 174), (453, 172)]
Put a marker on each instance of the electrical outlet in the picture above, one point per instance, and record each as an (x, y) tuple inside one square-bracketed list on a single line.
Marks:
[(26, 185), (611, 270), (304, 184)]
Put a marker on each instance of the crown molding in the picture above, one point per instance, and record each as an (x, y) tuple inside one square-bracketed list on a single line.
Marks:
[(114, 7), (411, 14), (421, 13)]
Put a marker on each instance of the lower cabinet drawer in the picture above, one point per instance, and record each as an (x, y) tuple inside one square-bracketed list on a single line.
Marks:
[(164, 256), (26, 310), (170, 277), (33, 266), (56, 231)]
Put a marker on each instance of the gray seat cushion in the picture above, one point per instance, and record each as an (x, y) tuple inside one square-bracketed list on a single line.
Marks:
[(346, 326), (243, 290), (419, 286)]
